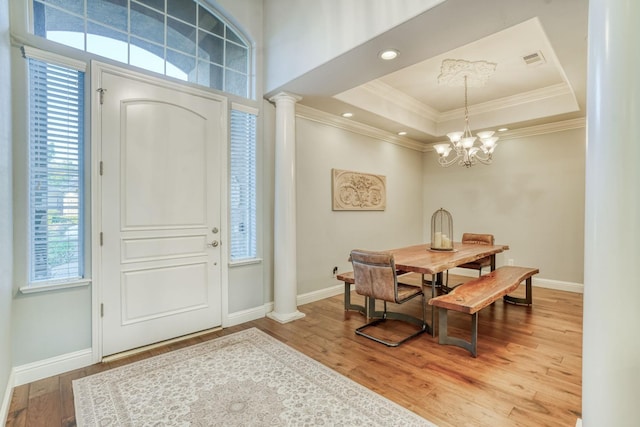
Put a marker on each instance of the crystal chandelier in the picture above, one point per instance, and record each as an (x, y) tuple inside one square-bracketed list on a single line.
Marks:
[(463, 147)]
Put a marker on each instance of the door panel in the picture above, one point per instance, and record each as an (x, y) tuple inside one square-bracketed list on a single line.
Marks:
[(160, 202)]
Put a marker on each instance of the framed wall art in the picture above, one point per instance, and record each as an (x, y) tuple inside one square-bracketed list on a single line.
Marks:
[(356, 191)]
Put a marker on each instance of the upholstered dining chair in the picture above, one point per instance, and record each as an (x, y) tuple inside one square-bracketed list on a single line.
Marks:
[(479, 239), (376, 278)]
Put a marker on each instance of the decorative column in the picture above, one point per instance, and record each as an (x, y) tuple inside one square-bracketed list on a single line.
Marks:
[(285, 283), (611, 348)]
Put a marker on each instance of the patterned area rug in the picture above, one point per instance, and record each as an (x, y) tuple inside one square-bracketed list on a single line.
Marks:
[(244, 379)]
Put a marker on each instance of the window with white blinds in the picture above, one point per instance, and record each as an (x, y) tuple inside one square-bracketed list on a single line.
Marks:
[(56, 135), (243, 185)]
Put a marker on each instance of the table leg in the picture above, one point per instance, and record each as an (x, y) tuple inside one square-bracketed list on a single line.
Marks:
[(433, 309)]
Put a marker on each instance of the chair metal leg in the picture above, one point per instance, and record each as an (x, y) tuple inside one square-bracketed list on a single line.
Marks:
[(387, 315)]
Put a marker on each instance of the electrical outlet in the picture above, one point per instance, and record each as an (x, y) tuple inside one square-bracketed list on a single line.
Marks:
[(510, 261), (335, 271)]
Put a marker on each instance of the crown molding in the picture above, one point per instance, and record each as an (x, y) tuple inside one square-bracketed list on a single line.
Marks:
[(564, 125), (401, 99), (508, 102), (312, 114), (532, 130)]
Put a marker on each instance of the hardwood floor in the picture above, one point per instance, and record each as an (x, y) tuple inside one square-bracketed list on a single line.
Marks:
[(527, 373)]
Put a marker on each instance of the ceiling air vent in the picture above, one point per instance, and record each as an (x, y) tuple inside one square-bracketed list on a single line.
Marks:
[(533, 59)]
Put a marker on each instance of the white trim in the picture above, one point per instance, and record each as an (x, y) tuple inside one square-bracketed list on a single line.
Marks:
[(304, 112), (52, 58), (52, 286), (261, 311), (564, 125), (320, 294), (559, 285), (6, 401), (402, 100), (286, 317), (242, 262), (53, 366), (248, 315), (245, 108), (95, 124), (525, 98)]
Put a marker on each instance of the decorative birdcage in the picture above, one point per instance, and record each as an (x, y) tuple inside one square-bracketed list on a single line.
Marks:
[(441, 231)]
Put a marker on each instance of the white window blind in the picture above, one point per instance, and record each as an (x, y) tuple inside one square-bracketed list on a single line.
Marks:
[(56, 136), (243, 185)]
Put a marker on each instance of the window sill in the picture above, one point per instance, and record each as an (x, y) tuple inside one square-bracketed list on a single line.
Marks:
[(242, 262), (52, 286)]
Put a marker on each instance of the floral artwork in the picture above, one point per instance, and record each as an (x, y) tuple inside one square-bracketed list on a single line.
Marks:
[(355, 191)]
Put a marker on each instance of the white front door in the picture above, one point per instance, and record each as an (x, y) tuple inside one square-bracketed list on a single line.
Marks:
[(160, 271)]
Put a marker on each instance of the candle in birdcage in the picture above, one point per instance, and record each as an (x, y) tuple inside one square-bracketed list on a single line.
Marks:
[(437, 239), (446, 242)]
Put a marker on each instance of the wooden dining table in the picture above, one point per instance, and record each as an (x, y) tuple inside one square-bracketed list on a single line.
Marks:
[(426, 261)]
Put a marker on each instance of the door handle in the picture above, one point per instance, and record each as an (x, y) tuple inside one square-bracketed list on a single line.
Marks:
[(213, 244)]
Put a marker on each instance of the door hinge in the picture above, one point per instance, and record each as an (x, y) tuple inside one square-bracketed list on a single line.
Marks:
[(101, 239), (101, 310), (101, 168), (101, 91)]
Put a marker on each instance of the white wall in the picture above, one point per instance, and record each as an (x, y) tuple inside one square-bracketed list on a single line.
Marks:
[(325, 237), (6, 226), (531, 198), (301, 35)]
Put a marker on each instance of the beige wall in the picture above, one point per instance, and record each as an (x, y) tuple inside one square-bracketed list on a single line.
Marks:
[(325, 237), (531, 198)]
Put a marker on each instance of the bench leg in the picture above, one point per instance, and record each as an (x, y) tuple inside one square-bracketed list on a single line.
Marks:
[(527, 300), (347, 301), (445, 339)]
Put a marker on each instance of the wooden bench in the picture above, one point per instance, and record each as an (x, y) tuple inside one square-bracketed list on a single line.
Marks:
[(472, 296), (413, 279)]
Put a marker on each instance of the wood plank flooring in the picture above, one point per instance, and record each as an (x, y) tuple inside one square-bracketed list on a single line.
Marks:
[(527, 373)]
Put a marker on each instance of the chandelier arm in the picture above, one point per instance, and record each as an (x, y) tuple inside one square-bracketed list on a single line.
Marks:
[(484, 159), (446, 163)]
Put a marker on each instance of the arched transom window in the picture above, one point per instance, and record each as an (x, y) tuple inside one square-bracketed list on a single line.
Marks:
[(179, 38)]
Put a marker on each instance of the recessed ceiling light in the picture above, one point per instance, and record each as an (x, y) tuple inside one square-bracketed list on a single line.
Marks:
[(503, 129), (388, 54), (402, 133), (347, 115)]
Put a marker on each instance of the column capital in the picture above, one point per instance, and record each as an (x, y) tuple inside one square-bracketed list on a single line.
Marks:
[(285, 96)]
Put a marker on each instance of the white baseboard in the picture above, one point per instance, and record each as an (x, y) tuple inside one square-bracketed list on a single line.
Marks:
[(6, 401), (321, 294), (243, 316), (558, 285), (53, 366), (260, 312)]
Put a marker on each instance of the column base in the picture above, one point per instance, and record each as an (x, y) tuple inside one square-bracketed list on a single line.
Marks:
[(285, 317)]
